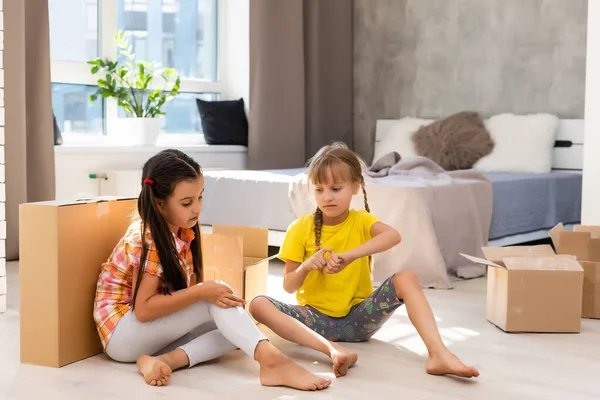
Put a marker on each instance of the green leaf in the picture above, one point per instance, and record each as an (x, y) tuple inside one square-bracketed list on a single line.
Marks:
[(176, 86), (153, 95), (95, 69), (170, 72), (126, 53), (147, 82), (126, 107)]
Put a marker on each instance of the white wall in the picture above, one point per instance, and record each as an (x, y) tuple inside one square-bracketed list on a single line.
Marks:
[(590, 213), (2, 187)]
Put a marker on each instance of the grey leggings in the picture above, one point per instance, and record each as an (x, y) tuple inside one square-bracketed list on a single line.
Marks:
[(362, 322), (203, 331)]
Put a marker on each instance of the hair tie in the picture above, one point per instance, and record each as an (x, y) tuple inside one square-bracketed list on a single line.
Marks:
[(148, 181)]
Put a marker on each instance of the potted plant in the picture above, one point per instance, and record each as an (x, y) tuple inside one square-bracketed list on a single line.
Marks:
[(131, 83)]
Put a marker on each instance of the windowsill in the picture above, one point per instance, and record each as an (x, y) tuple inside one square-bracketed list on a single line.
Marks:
[(108, 148), (97, 144)]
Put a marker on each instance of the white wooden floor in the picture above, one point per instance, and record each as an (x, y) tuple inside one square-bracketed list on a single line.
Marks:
[(512, 366)]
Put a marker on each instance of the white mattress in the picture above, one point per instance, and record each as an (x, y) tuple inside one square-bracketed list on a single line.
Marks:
[(261, 198)]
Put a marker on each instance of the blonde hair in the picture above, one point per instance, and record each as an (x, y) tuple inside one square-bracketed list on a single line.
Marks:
[(344, 165)]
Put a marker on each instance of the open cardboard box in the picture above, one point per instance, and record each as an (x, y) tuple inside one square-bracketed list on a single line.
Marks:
[(583, 242), (531, 289), (238, 255)]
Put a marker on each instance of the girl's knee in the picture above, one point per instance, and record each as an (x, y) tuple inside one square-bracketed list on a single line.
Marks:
[(405, 278), (121, 357), (258, 304)]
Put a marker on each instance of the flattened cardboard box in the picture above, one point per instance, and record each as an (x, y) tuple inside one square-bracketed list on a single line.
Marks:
[(531, 289), (62, 246), (238, 255), (584, 243)]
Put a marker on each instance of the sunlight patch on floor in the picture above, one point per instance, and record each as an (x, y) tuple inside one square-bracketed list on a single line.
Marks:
[(407, 337), (402, 311)]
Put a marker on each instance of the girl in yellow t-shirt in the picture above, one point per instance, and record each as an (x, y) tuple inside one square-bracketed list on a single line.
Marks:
[(327, 259)]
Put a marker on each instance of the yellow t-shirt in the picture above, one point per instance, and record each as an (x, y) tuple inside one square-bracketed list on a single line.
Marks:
[(332, 294)]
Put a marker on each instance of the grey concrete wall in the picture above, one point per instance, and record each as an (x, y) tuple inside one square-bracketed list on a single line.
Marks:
[(431, 58)]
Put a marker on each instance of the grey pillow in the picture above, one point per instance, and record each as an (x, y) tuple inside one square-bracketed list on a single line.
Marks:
[(455, 142)]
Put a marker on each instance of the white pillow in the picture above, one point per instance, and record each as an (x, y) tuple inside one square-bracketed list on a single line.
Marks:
[(399, 138), (523, 143)]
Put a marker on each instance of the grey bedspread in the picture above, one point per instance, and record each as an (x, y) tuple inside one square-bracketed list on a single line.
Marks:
[(531, 202)]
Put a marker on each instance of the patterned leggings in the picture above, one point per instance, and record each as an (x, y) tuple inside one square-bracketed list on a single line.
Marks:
[(361, 323)]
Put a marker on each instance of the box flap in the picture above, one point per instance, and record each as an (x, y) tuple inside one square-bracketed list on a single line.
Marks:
[(593, 230), (555, 234), (575, 243), (543, 263), (256, 240), (250, 261), (222, 252), (478, 260), (497, 254), (222, 260)]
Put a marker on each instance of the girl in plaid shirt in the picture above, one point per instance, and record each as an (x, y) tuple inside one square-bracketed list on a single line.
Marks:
[(149, 306)]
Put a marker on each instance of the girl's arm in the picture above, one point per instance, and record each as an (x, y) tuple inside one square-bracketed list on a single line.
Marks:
[(150, 305), (295, 272), (294, 276), (384, 237)]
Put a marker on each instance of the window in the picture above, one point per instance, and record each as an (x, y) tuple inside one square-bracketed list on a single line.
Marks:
[(73, 30), (74, 112), (183, 34)]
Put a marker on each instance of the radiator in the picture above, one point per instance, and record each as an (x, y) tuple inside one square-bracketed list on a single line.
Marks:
[(118, 183)]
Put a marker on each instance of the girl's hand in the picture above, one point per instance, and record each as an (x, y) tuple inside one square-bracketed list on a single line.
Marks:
[(337, 262), (317, 260), (221, 294)]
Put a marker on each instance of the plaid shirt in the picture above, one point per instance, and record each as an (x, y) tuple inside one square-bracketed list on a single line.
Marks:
[(114, 292)]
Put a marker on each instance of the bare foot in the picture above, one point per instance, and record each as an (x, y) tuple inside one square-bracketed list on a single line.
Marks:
[(281, 371), (156, 372), (342, 360), (446, 363)]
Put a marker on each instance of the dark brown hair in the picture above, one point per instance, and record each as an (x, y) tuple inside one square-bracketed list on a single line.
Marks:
[(162, 173), (344, 165)]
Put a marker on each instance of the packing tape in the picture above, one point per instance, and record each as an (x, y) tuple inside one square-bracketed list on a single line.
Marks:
[(103, 208)]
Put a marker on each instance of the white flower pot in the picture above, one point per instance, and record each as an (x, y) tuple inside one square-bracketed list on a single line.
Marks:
[(138, 131)]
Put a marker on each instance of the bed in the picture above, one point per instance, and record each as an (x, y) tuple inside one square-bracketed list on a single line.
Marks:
[(525, 205)]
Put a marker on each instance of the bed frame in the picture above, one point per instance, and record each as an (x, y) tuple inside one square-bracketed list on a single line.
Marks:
[(568, 148)]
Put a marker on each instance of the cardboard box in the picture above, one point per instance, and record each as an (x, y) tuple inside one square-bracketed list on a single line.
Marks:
[(584, 243), (531, 289), (62, 246), (238, 255)]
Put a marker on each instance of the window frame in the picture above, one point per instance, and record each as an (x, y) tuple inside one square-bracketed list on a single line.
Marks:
[(74, 72)]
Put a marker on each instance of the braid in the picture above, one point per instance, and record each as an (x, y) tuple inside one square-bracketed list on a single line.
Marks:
[(362, 184), (318, 226)]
